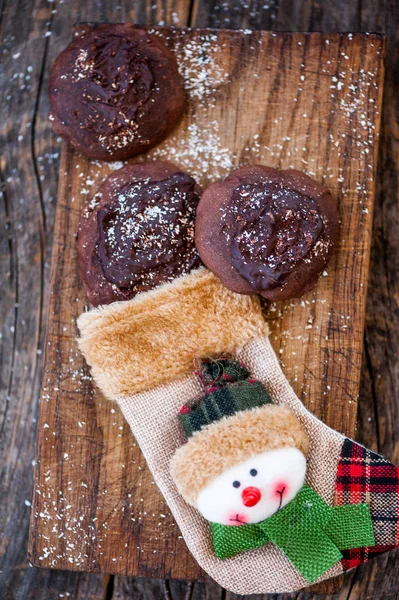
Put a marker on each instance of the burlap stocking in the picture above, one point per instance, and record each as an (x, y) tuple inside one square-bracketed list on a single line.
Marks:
[(142, 354)]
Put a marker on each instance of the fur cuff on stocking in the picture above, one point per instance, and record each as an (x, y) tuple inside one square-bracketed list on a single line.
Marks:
[(154, 338)]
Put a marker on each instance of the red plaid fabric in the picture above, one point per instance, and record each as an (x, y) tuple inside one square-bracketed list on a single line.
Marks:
[(364, 476)]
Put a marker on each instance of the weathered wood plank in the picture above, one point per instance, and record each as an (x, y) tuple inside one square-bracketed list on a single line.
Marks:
[(29, 173), (273, 99), (24, 583), (24, 253), (378, 419)]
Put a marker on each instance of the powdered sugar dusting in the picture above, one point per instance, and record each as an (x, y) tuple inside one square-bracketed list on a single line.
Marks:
[(199, 66), (200, 151), (197, 145)]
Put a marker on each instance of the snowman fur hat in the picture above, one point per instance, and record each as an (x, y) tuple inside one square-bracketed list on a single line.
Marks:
[(234, 421)]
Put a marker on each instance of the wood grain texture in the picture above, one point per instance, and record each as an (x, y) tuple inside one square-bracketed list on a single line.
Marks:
[(378, 423), (286, 100)]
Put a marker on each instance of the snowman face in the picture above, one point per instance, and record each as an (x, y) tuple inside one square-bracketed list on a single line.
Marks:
[(253, 490)]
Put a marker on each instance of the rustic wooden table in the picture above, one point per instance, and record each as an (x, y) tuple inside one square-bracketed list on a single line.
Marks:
[(32, 34)]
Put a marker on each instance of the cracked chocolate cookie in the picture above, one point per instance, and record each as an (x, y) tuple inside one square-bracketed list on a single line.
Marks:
[(115, 92), (268, 232), (137, 232)]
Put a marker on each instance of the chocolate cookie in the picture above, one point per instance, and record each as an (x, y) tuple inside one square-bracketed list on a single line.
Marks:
[(264, 231), (137, 232), (115, 92)]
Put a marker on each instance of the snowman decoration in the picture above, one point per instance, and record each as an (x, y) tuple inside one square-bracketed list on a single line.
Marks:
[(242, 465), (255, 489)]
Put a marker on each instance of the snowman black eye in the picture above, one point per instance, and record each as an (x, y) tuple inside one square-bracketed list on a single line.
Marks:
[(236, 484), (253, 472)]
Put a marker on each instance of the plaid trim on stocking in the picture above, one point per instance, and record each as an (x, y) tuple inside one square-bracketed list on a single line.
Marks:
[(364, 476)]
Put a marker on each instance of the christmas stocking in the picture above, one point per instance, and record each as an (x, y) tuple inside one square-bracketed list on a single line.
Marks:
[(267, 497)]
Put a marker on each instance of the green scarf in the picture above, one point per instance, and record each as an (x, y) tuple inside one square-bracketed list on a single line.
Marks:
[(308, 531)]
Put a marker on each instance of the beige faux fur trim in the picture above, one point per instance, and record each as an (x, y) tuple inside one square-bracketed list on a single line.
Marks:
[(232, 440), (138, 344)]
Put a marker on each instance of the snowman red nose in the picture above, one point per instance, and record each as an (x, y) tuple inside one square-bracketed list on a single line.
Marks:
[(250, 496)]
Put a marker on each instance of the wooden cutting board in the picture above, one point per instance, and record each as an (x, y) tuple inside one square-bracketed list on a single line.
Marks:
[(306, 101)]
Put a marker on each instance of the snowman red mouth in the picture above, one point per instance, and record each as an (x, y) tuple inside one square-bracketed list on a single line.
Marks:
[(280, 489), (238, 519)]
